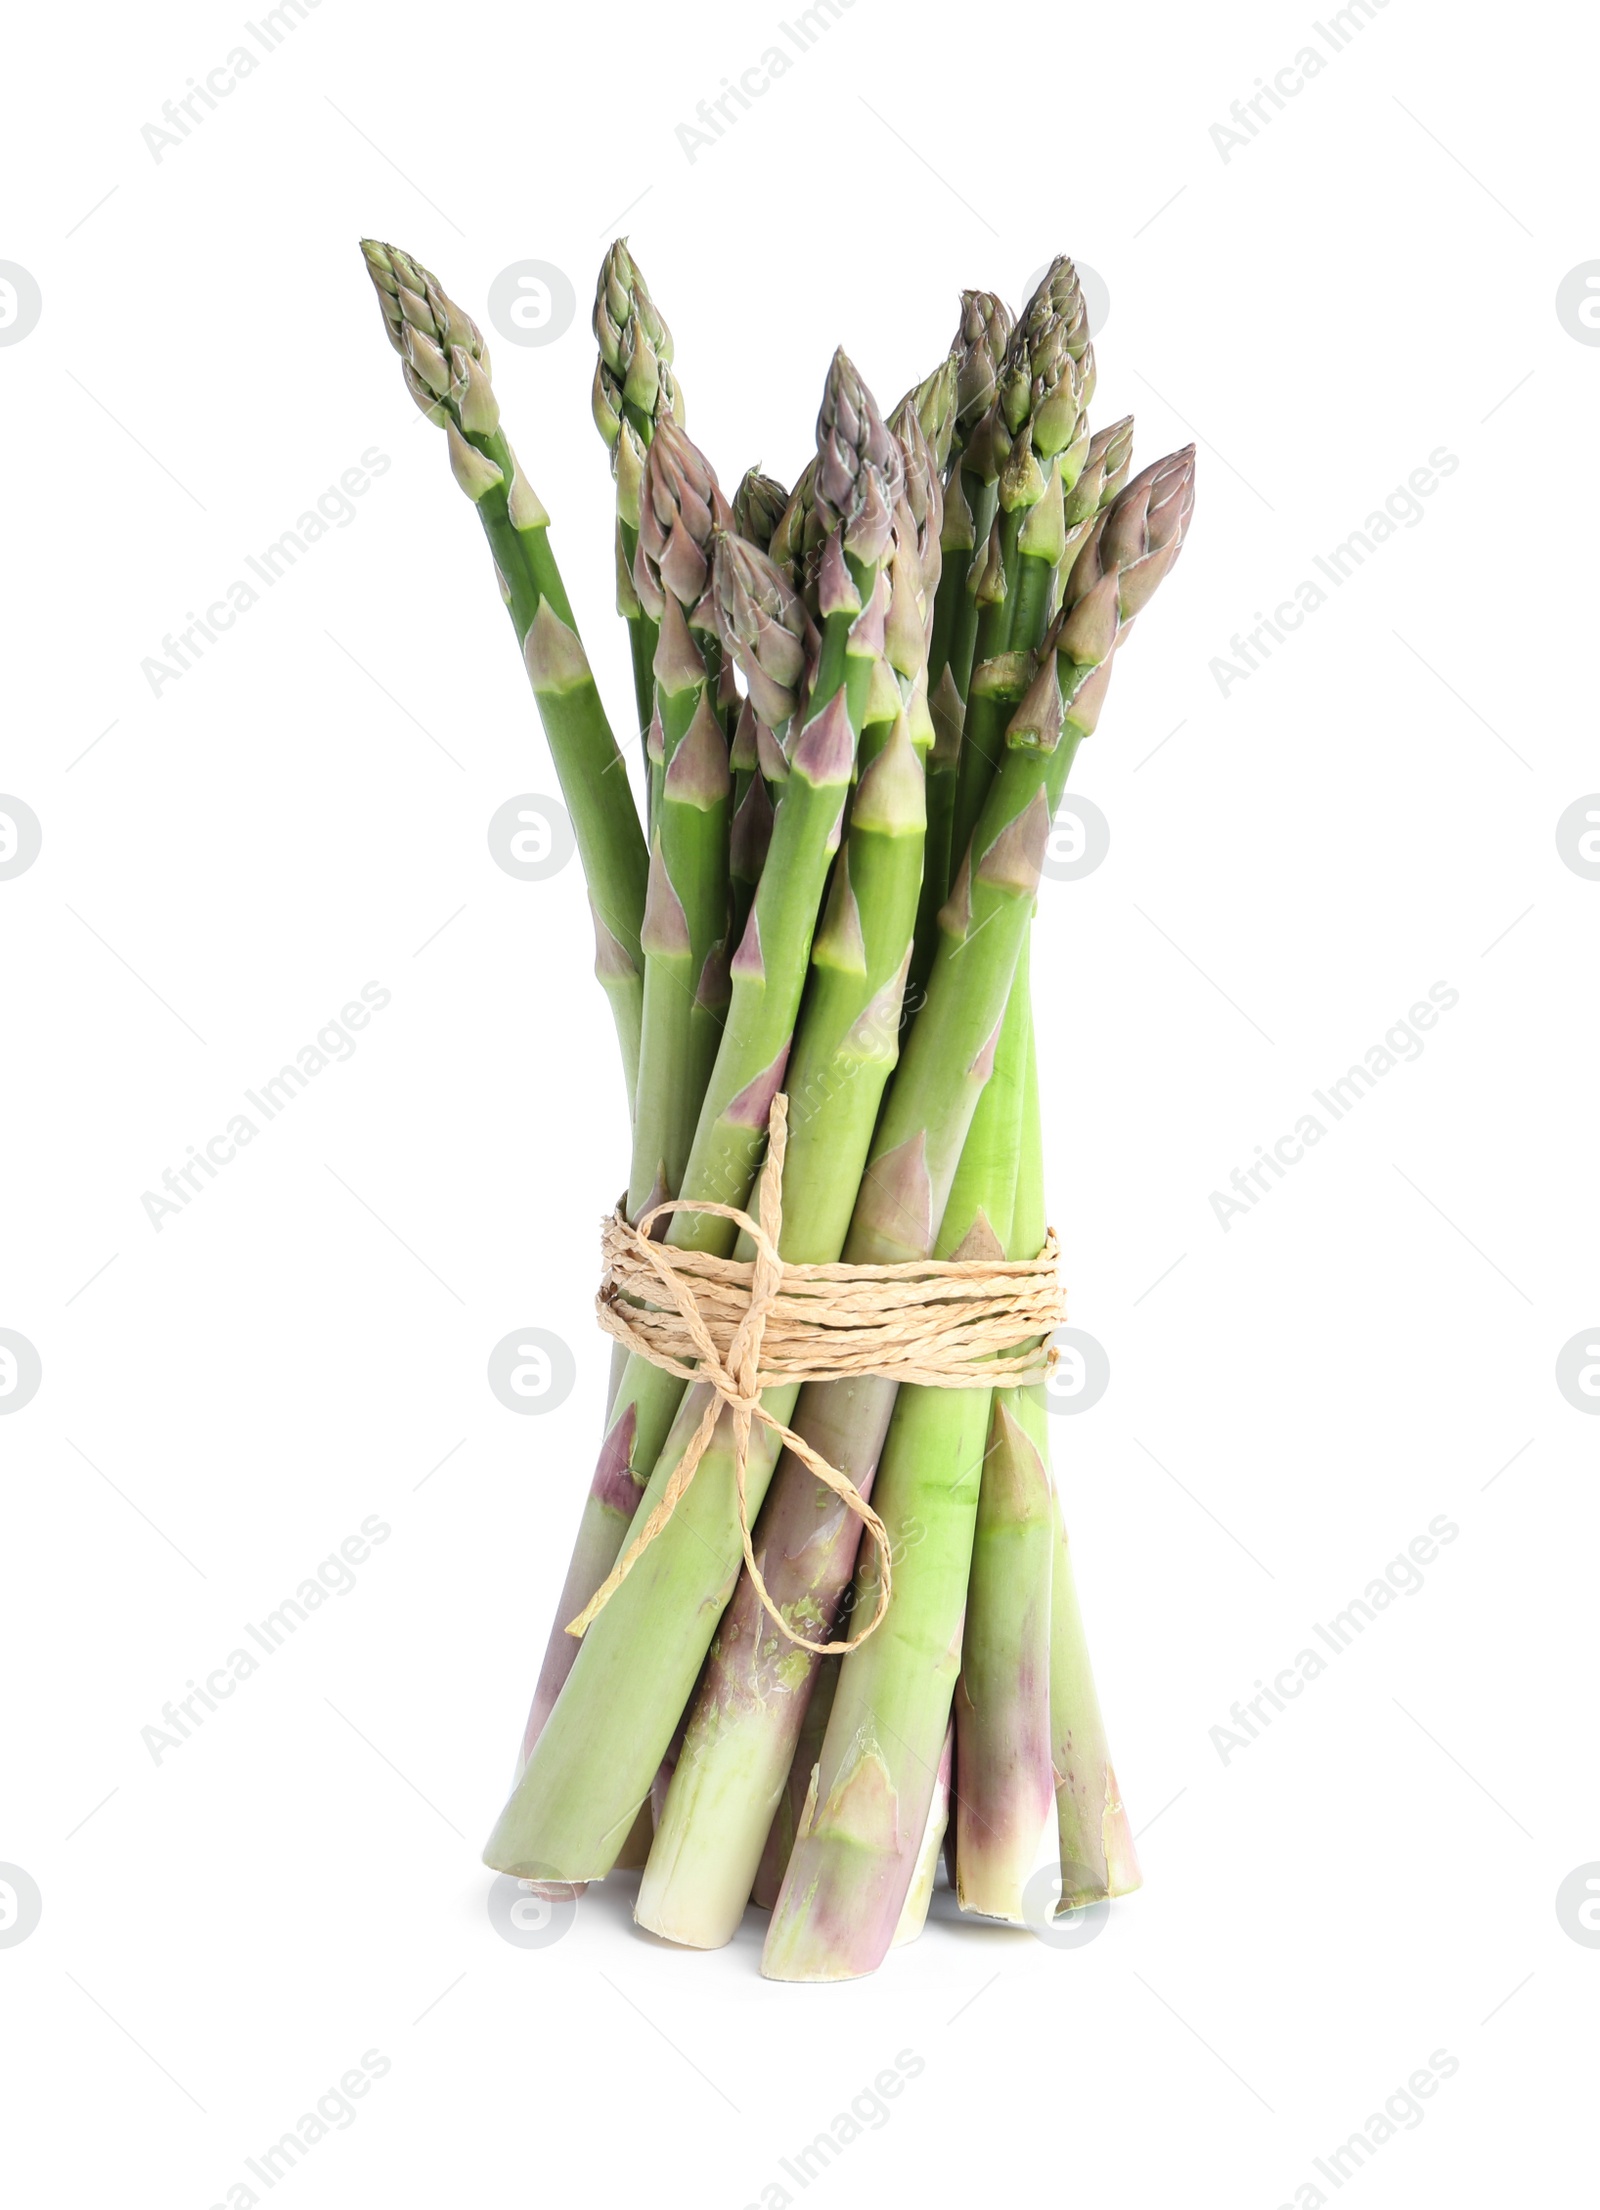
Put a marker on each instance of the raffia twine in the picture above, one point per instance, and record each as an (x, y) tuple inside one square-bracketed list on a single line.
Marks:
[(745, 1326)]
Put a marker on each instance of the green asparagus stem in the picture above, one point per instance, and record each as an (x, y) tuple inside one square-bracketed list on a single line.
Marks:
[(947, 713), (970, 492), (864, 1833), (1095, 1840), (751, 831), (967, 510), (685, 931), (1037, 432), (555, 1814), (911, 612), (446, 368), (1005, 1797), (969, 735), (1047, 542), (633, 389), (741, 1737)]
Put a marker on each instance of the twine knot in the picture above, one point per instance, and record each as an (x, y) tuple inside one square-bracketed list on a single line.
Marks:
[(743, 1327)]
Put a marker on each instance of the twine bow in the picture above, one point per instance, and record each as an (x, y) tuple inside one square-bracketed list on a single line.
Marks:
[(952, 1324)]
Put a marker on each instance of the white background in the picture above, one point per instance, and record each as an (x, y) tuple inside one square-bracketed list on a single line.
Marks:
[(1372, 277)]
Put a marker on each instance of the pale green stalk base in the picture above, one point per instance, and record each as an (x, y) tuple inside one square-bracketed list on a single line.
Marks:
[(1095, 1841), (1005, 1810), (1005, 1813)]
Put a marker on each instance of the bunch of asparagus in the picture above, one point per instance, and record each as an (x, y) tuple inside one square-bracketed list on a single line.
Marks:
[(858, 702)]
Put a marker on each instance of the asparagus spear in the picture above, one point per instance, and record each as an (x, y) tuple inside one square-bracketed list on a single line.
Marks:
[(937, 400), (970, 492), (1005, 1798), (751, 832), (446, 369), (865, 1828), (947, 714), (741, 1739), (758, 506), (633, 389), (684, 936), (1092, 1830), (1036, 434), (796, 543), (1077, 1786), (1095, 1840), (967, 513), (913, 609), (1047, 542), (859, 477)]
